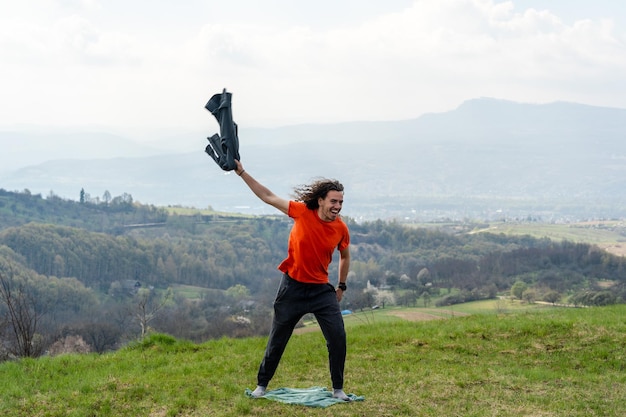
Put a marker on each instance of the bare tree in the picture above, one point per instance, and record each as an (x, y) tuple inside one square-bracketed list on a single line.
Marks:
[(148, 306), (22, 316)]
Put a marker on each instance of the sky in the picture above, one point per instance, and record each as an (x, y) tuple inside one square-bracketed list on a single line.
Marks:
[(151, 65)]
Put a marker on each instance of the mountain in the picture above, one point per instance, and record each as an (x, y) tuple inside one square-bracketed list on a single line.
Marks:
[(33, 146), (487, 158)]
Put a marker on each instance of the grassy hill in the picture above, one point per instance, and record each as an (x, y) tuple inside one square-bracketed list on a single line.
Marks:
[(547, 362)]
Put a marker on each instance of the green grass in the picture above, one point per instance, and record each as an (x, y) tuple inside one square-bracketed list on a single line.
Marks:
[(497, 307), (607, 234), (548, 362), (590, 232), (192, 292), (189, 211), (192, 211)]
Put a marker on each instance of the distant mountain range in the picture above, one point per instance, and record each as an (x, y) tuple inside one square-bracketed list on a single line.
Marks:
[(486, 159)]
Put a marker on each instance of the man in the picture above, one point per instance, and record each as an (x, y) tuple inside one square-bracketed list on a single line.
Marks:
[(305, 287)]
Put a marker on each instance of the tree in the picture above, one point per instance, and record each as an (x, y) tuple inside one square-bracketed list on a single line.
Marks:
[(517, 290), (148, 306), (384, 298), (23, 316), (423, 276), (106, 197), (552, 297), (603, 298), (238, 292), (530, 295), (101, 336), (426, 298)]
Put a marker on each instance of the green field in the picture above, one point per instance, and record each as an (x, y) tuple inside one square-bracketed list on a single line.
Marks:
[(609, 235), (192, 292), (542, 361)]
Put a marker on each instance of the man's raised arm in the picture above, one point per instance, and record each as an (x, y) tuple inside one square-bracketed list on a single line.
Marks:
[(261, 191)]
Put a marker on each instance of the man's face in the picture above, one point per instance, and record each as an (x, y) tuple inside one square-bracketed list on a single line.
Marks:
[(330, 206)]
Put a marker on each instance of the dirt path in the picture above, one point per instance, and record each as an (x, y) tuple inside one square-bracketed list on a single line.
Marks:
[(421, 316)]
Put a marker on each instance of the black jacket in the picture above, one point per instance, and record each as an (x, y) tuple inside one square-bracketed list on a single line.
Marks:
[(223, 148)]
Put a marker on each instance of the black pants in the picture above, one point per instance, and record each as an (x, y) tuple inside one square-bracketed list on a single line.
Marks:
[(293, 300)]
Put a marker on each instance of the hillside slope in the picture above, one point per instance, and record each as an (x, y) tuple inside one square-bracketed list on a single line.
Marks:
[(553, 363)]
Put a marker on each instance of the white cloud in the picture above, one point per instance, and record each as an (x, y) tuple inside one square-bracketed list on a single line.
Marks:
[(428, 57), (425, 58)]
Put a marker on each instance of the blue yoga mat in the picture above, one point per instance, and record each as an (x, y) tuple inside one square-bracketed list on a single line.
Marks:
[(310, 397)]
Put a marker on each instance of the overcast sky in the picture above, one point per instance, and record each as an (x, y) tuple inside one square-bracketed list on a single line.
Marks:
[(138, 64)]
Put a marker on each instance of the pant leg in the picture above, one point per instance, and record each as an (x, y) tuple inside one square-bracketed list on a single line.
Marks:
[(328, 314), (288, 310)]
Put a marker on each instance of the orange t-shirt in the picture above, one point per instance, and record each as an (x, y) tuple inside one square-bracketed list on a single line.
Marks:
[(312, 242)]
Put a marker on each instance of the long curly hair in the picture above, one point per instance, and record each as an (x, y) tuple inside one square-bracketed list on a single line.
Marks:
[(309, 193)]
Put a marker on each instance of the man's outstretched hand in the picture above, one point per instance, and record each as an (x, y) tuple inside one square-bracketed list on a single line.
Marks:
[(238, 167)]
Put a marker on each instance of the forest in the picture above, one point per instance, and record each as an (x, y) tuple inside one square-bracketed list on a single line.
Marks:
[(95, 274)]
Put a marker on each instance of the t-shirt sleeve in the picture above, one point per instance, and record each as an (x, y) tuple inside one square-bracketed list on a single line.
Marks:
[(295, 209), (345, 241)]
